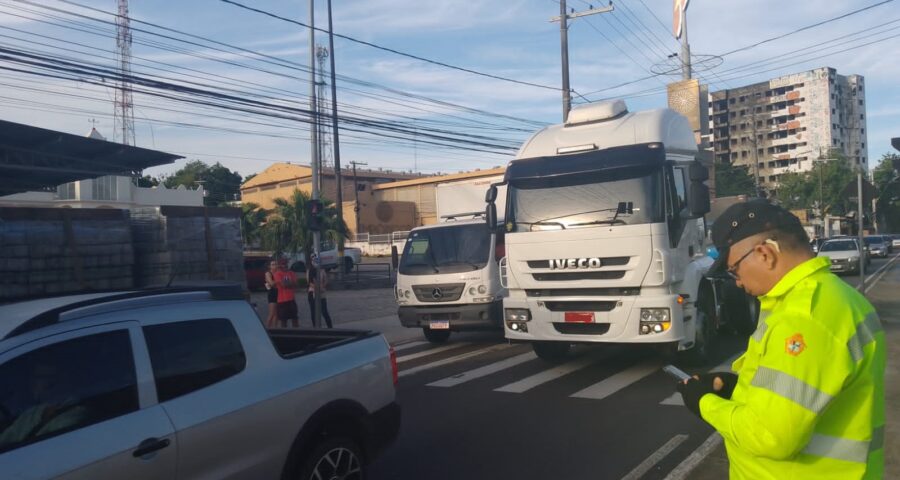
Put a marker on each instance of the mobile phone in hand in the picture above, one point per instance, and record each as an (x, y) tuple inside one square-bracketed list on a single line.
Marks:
[(676, 373)]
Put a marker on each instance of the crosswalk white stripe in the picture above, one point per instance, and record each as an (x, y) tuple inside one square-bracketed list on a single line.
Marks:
[(613, 384), (484, 371), (545, 376), (457, 358), (656, 457), (431, 351), (407, 345)]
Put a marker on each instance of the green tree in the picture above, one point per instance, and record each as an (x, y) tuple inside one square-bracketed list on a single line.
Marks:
[(287, 229), (887, 170), (825, 182), (252, 220), (734, 180), (886, 177), (221, 184), (147, 181)]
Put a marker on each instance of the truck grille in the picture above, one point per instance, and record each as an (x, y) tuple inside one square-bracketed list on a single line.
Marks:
[(580, 306), (583, 292), (604, 262), (582, 328), (445, 292), (574, 276)]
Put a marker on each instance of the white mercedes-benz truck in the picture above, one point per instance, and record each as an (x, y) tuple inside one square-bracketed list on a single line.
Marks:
[(448, 275), (605, 235)]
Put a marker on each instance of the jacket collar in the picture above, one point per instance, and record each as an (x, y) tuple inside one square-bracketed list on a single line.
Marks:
[(797, 274)]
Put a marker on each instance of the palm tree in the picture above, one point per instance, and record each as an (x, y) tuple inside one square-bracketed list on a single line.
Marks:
[(252, 220), (287, 230)]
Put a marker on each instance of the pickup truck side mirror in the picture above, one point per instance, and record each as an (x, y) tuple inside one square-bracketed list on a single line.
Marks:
[(395, 257)]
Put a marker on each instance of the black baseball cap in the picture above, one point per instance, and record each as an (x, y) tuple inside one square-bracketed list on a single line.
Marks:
[(743, 220)]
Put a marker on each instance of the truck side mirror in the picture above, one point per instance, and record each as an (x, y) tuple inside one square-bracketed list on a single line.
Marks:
[(395, 257), (698, 172), (699, 200), (491, 195), (490, 216)]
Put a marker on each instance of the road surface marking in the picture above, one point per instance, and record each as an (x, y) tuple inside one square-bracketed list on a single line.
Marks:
[(655, 458), (431, 351), (457, 358), (684, 469), (548, 375), (883, 270), (407, 345), (484, 371), (613, 384)]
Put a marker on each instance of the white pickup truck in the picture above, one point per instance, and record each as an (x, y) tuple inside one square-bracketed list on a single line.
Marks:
[(185, 383), (330, 259)]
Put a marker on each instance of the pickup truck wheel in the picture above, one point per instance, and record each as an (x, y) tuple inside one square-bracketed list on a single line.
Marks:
[(335, 458), (436, 336), (551, 351), (348, 264)]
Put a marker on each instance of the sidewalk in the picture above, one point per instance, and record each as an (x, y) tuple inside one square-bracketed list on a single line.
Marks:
[(884, 297)]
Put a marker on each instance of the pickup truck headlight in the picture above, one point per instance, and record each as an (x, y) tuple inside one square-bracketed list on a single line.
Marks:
[(655, 320)]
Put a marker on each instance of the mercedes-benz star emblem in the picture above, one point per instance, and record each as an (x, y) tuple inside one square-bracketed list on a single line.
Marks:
[(437, 293)]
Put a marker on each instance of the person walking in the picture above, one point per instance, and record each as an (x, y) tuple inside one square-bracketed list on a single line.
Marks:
[(808, 397), (286, 281), (315, 275), (272, 295)]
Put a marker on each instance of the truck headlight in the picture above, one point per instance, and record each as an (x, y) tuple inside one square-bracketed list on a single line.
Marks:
[(517, 319), (482, 289), (655, 320), (406, 293)]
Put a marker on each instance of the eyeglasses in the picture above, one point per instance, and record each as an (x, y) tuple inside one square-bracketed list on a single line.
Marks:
[(732, 270)]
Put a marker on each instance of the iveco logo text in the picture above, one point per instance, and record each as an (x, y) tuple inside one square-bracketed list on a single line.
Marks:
[(567, 263)]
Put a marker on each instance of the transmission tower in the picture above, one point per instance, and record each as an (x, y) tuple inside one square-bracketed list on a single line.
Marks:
[(124, 108), (324, 143)]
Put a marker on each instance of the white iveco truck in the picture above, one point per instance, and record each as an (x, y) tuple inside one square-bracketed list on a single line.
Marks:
[(448, 276), (605, 235)]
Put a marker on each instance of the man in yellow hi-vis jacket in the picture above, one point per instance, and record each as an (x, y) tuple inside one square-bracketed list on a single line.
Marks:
[(808, 398)]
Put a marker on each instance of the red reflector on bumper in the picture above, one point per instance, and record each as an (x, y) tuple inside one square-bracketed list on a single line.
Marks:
[(579, 317)]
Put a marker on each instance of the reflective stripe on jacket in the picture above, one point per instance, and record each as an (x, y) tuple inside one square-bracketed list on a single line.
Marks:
[(809, 403)]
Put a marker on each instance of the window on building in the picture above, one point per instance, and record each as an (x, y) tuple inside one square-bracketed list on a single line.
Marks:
[(66, 386), (744, 154), (860, 102), (187, 356), (731, 101), (863, 145), (833, 111), (863, 131), (862, 116), (760, 151), (104, 188)]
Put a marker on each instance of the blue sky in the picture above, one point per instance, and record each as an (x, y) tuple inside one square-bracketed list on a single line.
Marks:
[(512, 39)]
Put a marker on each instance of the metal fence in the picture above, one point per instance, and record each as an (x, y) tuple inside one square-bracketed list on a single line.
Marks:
[(380, 238)]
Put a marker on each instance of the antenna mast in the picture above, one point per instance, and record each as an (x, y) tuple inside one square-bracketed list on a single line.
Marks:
[(124, 107)]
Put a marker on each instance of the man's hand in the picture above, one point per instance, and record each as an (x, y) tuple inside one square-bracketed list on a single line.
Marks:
[(692, 390), (722, 383)]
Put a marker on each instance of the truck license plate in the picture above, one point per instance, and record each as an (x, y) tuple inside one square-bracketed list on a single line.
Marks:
[(441, 325), (579, 317)]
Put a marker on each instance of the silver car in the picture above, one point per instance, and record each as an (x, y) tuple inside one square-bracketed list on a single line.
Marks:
[(844, 254)]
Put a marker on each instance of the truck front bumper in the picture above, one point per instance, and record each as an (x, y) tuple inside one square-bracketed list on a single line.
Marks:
[(621, 324), (471, 316)]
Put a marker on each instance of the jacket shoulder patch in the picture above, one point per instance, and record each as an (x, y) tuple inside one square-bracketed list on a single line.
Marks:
[(794, 345)]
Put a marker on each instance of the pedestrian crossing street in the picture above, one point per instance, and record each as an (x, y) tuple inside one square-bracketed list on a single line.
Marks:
[(472, 360)]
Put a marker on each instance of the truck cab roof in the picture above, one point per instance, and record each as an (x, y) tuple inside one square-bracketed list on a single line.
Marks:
[(605, 125)]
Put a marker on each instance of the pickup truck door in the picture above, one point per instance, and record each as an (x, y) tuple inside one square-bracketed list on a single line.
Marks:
[(102, 424)]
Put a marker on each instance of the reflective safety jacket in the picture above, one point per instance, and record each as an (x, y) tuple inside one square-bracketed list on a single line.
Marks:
[(809, 402)]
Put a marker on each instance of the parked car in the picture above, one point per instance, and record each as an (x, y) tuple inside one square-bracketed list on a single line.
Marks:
[(877, 245), (815, 243), (844, 255), (895, 240), (185, 382), (255, 267)]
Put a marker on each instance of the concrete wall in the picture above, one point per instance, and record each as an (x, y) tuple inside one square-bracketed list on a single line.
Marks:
[(127, 196)]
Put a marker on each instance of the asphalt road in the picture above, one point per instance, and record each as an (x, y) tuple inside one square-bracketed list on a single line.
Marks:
[(480, 408)]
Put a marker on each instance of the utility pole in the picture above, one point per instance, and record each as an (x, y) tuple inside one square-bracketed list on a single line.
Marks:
[(123, 119), (356, 193), (314, 154), (859, 233), (563, 20), (335, 148)]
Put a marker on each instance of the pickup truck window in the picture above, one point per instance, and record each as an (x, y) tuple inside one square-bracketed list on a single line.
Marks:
[(66, 386), (190, 355)]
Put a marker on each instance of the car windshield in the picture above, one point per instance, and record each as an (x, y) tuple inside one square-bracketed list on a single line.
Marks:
[(583, 201), (450, 249), (839, 245), (874, 241)]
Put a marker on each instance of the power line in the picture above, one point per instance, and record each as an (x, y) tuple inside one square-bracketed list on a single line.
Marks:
[(391, 50)]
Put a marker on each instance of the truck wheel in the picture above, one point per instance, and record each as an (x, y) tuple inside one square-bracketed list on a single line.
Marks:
[(551, 351), (704, 337), (348, 264), (335, 457), (436, 336)]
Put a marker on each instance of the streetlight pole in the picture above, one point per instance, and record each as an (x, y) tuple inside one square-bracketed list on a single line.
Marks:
[(314, 153), (862, 246), (563, 20), (336, 145)]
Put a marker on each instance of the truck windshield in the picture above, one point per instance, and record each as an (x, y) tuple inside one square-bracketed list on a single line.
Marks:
[(450, 249), (586, 200)]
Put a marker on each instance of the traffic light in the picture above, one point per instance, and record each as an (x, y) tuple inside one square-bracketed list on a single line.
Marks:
[(314, 217)]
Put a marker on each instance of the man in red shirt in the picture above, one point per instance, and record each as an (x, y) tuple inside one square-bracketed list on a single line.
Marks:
[(286, 282)]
